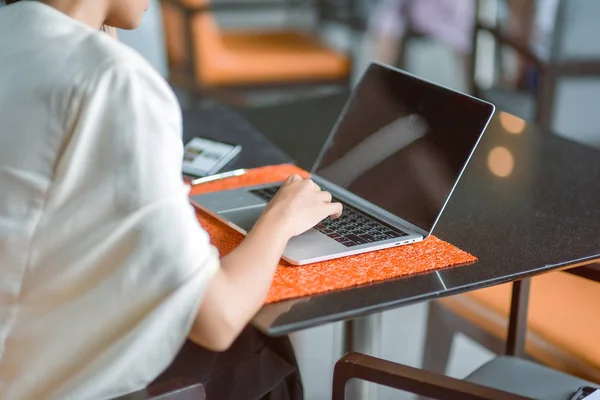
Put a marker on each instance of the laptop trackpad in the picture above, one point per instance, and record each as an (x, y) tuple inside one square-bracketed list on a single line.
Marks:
[(244, 218)]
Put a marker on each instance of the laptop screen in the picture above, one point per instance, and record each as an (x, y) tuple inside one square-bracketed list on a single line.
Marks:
[(402, 143)]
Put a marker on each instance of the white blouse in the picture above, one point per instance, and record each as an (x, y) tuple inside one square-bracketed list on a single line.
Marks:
[(102, 262)]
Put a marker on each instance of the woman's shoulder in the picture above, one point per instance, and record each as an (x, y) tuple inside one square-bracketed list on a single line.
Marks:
[(62, 54), (106, 61), (57, 41), (103, 53)]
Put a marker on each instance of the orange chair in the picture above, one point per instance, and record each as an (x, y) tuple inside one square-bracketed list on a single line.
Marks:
[(563, 324), (203, 57)]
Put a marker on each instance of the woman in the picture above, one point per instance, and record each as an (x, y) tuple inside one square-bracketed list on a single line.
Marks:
[(105, 271), (450, 21)]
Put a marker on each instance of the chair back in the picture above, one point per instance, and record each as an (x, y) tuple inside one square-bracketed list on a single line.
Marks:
[(201, 29)]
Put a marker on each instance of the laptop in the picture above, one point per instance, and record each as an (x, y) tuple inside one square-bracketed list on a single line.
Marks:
[(393, 159)]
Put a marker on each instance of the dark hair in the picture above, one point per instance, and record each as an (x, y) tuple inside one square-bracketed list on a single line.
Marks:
[(9, 2)]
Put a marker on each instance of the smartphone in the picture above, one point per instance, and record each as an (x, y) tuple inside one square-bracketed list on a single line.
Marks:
[(584, 392), (204, 157)]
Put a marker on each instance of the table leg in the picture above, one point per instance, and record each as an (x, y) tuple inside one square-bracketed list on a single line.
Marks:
[(517, 326), (362, 335)]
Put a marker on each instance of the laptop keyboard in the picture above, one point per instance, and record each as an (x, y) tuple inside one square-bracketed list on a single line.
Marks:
[(353, 228)]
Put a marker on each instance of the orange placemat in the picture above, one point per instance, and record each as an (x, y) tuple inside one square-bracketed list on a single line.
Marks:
[(297, 281)]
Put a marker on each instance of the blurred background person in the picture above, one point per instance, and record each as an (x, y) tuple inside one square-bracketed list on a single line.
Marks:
[(449, 21)]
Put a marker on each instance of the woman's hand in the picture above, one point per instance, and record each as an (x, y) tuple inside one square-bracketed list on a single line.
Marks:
[(298, 206), (240, 287)]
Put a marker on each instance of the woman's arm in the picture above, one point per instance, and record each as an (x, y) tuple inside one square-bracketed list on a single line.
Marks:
[(239, 289), (135, 134)]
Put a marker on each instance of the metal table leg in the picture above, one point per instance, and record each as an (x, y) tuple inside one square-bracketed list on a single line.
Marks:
[(517, 326), (363, 335)]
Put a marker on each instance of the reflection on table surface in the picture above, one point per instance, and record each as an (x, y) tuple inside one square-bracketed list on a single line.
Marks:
[(526, 204)]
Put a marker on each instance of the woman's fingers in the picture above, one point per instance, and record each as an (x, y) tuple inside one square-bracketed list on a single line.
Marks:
[(325, 197), (335, 210), (293, 178)]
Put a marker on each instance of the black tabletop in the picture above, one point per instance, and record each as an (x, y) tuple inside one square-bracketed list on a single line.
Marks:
[(214, 121), (527, 204), (300, 128)]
